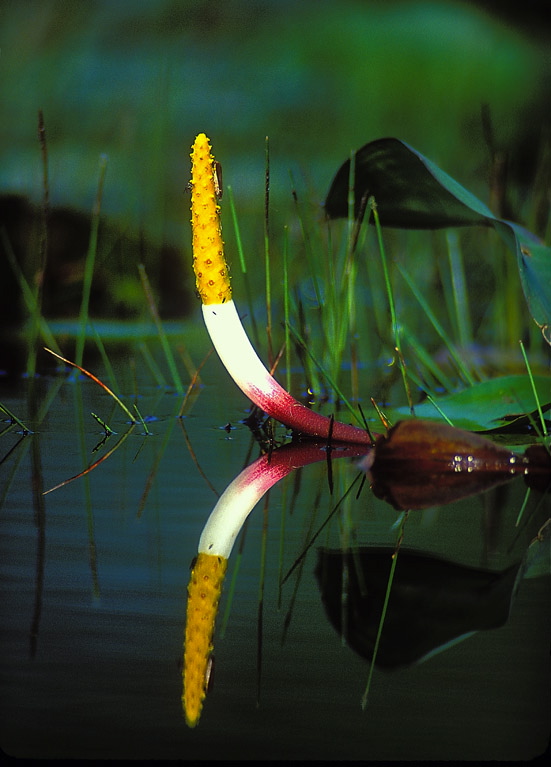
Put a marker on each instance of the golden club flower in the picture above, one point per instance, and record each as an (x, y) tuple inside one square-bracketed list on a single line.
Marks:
[(249, 373)]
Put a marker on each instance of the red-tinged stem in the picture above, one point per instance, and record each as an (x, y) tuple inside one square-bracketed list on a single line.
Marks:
[(284, 408), (242, 495)]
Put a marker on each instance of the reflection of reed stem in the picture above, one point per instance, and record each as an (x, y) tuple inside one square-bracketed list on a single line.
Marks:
[(384, 610), (40, 523)]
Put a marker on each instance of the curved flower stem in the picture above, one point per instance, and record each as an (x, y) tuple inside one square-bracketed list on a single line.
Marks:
[(222, 320), (256, 382)]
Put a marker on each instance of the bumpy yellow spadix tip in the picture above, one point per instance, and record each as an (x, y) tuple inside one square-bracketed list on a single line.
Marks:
[(209, 264), (204, 589)]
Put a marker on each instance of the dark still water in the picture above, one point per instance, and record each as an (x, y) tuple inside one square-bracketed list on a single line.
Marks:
[(93, 598)]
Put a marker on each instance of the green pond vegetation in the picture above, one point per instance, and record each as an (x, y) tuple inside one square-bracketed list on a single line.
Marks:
[(353, 305), (403, 288)]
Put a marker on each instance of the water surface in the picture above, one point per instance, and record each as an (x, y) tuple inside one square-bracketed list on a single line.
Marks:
[(94, 578)]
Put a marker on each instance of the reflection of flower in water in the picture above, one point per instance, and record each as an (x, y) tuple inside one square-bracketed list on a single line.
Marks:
[(422, 463), (215, 545), (415, 458), (204, 590)]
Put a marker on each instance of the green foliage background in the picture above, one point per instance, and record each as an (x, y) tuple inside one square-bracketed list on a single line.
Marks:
[(137, 81)]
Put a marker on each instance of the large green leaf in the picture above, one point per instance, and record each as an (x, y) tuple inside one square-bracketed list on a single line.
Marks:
[(498, 404), (411, 192)]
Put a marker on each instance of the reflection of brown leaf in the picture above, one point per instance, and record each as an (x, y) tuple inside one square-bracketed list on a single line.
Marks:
[(422, 463), (432, 603), (538, 477)]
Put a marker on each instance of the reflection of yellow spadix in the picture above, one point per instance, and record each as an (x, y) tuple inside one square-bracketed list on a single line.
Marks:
[(215, 546), (205, 587), (207, 574)]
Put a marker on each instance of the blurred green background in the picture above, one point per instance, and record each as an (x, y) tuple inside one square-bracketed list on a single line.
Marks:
[(136, 81)]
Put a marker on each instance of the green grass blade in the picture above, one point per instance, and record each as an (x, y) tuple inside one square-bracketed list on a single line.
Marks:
[(385, 606), (523, 507), (534, 390), (89, 264), (286, 315), (96, 380), (105, 359), (152, 365), (176, 380), (243, 265), (427, 361), (390, 297), (14, 419), (331, 382), (267, 269), (438, 327), (459, 290), (29, 297)]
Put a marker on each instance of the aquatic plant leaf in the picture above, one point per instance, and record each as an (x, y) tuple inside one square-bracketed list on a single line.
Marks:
[(411, 192), (433, 601), (497, 404), (506, 401), (534, 263), (421, 464)]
